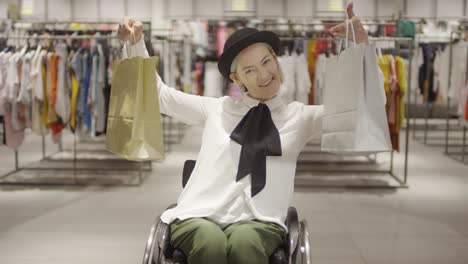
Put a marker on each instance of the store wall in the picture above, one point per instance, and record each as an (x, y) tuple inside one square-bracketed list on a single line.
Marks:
[(59, 10), (157, 10), (420, 8), (3, 9), (449, 8)]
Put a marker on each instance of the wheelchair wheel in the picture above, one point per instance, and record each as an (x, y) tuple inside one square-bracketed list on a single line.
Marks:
[(303, 250)]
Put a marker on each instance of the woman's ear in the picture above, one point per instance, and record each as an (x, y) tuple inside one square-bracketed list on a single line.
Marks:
[(233, 77)]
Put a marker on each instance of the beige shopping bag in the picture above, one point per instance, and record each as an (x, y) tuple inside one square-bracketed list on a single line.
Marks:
[(134, 128)]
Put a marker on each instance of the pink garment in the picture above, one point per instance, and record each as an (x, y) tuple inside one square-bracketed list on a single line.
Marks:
[(234, 91), (221, 39), (14, 138)]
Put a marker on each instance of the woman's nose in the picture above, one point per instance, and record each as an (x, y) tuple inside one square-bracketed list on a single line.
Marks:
[(263, 75)]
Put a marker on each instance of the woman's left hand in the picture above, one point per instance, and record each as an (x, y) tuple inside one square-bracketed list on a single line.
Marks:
[(340, 30)]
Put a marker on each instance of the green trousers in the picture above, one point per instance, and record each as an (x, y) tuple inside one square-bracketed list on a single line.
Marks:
[(246, 242)]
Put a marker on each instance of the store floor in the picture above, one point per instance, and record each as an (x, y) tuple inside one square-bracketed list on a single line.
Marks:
[(424, 224)]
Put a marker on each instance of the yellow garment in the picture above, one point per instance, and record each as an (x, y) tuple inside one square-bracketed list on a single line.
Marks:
[(384, 64), (74, 100), (311, 56), (402, 84)]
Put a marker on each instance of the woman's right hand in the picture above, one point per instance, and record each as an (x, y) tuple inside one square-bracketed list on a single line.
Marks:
[(126, 27)]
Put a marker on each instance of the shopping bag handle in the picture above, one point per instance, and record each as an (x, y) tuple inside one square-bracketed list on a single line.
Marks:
[(133, 40), (348, 21)]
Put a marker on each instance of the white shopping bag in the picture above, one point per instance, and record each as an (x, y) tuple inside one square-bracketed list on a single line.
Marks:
[(354, 119)]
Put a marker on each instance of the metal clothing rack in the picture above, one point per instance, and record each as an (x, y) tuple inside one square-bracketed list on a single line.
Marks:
[(463, 153), (428, 138), (143, 166), (402, 180), (173, 130)]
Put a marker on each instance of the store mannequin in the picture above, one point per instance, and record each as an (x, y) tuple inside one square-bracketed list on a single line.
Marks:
[(233, 208)]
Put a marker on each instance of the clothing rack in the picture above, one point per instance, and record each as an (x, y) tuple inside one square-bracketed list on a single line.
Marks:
[(427, 138), (75, 169), (402, 180), (461, 155), (173, 130)]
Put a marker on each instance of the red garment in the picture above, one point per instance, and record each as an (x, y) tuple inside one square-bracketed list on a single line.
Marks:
[(466, 109), (390, 30)]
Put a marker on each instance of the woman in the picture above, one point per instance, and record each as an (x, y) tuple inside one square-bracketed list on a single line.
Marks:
[(233, 208)]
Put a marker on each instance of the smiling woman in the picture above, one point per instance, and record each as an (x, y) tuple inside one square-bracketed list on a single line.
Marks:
[(234, 205), (257, 71)]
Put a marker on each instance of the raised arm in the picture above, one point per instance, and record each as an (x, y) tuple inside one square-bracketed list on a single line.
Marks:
[(190, 109)]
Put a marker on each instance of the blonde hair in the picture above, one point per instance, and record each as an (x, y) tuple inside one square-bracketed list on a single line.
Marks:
[(272, 52)]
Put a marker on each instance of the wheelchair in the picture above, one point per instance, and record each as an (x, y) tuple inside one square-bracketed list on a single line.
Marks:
[(295, 248)]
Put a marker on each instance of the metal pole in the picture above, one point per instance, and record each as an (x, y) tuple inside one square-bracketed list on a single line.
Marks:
[(391, 162), (74, 158), (140, 173), (405, 174), (16, 160), (43, 147), (464, 144), (426, 96), (447, 128)]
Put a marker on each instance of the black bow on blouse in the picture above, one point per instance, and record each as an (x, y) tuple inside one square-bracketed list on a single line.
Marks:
[(259, 138)]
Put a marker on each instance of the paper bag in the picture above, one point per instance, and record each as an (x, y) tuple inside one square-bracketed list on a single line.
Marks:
[(355, 121), (134, 128)]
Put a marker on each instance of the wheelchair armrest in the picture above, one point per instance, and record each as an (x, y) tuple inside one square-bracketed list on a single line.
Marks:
[(292, 223)]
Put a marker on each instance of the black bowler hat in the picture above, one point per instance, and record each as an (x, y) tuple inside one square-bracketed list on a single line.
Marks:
[(240, 40)]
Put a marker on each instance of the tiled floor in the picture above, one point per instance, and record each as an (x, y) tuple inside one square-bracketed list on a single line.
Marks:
[(426, 223)]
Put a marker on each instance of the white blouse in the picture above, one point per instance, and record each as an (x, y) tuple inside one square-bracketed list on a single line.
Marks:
[(212, 190)]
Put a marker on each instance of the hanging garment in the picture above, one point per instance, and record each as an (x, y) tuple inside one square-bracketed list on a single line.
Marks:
[(37, 94), (51, 87), (393, 102), (458, 76), (2, 129), (44, 108), (14, 130), (3, 60), (319, 82), (12, 89), (311, 59), (55, 123), (93, 83), (441, 72), (83, 109), (100, 110), (426, 74), (303, 83), (24, 96), (221, 37), (416, 63), (402, 85), (213, 80), (288, 87), (62, 105)]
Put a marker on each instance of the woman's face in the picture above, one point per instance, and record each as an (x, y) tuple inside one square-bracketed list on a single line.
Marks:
[(258, 71)]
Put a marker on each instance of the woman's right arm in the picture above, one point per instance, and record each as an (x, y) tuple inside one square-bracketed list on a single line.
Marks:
[(187, 108)]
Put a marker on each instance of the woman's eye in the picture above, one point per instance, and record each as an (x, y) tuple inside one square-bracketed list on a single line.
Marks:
[(249, 71), (266, 61)]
